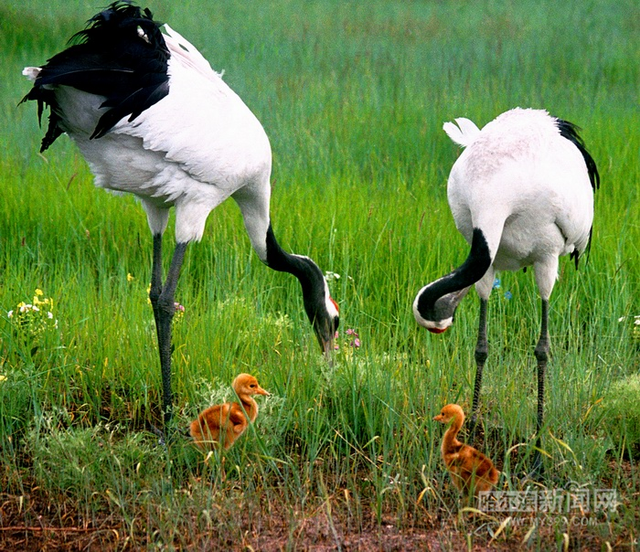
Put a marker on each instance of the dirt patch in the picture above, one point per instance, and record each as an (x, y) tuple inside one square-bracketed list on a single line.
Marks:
[(37, 521)]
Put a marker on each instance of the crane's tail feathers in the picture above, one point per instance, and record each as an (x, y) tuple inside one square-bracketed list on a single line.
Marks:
[(180, 47), (464, 133), (120, 56), (571, 132), (31, 73)]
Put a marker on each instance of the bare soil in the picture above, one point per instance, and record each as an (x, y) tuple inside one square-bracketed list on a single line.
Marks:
[(35, 522)]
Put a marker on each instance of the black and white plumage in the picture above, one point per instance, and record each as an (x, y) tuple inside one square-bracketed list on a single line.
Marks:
[(521, 194), (152, 118)]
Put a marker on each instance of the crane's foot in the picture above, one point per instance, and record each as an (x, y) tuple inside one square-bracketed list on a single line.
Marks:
[(537, 472), (169, 435), (162, 441), (476, 432), (473, 425)]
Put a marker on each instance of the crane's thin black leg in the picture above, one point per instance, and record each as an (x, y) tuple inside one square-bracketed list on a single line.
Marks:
[(162, 300), (482, 350), (156, 272), (542, 356)]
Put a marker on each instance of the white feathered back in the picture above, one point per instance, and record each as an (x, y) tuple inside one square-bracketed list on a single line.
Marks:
[(189, 54), (463, 134)]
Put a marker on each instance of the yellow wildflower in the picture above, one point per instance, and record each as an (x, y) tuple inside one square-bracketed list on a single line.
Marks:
[(130, 278)]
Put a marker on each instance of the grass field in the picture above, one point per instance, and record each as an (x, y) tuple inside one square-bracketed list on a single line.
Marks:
[(345, 457)]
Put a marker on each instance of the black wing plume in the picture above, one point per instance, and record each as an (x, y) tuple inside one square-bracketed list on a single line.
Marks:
[(571, 132), (121, 55)]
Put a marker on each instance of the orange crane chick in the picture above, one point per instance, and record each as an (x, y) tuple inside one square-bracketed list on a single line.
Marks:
[(471, 471), (222, 424)]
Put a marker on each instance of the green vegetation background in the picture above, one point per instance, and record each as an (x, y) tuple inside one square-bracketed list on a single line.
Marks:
[(353, 96)]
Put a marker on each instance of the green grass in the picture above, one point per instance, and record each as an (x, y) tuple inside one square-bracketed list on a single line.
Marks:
[(353, 96)]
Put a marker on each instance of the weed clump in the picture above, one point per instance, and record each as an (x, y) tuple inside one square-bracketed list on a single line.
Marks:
[(622, 412)]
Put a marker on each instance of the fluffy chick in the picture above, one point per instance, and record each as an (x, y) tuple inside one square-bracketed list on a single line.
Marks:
[(471, 471), (222, 424)]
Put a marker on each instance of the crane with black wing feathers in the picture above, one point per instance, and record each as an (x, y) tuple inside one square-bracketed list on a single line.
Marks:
[(152, 118), (521, 194)]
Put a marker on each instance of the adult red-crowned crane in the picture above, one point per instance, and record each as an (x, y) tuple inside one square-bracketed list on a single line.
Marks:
[(521, 194), (152, 118)]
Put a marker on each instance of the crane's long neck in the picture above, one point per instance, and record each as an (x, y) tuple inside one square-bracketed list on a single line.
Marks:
[(438, 301), (318, 305), (303, 268)]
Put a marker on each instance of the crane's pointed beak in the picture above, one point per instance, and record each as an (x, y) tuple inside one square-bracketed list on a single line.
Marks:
[(325, 327), (328, 348)]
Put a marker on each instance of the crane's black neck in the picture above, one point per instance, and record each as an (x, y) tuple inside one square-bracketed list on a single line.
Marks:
[(439, 299), (304, 269)]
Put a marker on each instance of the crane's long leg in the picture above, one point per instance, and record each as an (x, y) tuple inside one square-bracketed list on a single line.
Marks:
[(482, 350), (542, 356), (162, 300)]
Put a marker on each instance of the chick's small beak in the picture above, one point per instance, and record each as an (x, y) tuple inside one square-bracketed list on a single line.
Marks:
[(437, 330), (261, 391)]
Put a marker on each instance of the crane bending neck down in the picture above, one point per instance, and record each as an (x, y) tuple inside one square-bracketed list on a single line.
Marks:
[(521, 193), (152, 118), (435, 305)]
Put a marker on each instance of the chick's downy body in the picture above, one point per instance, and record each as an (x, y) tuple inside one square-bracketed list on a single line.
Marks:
[(471, 471), (222, 424)]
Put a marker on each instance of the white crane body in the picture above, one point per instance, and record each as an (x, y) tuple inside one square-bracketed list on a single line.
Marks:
[(525, 186), (153, 119), (521, 194)]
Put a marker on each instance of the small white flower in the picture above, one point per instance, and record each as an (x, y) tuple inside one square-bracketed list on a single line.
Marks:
[(10, 314), (49, 315)]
